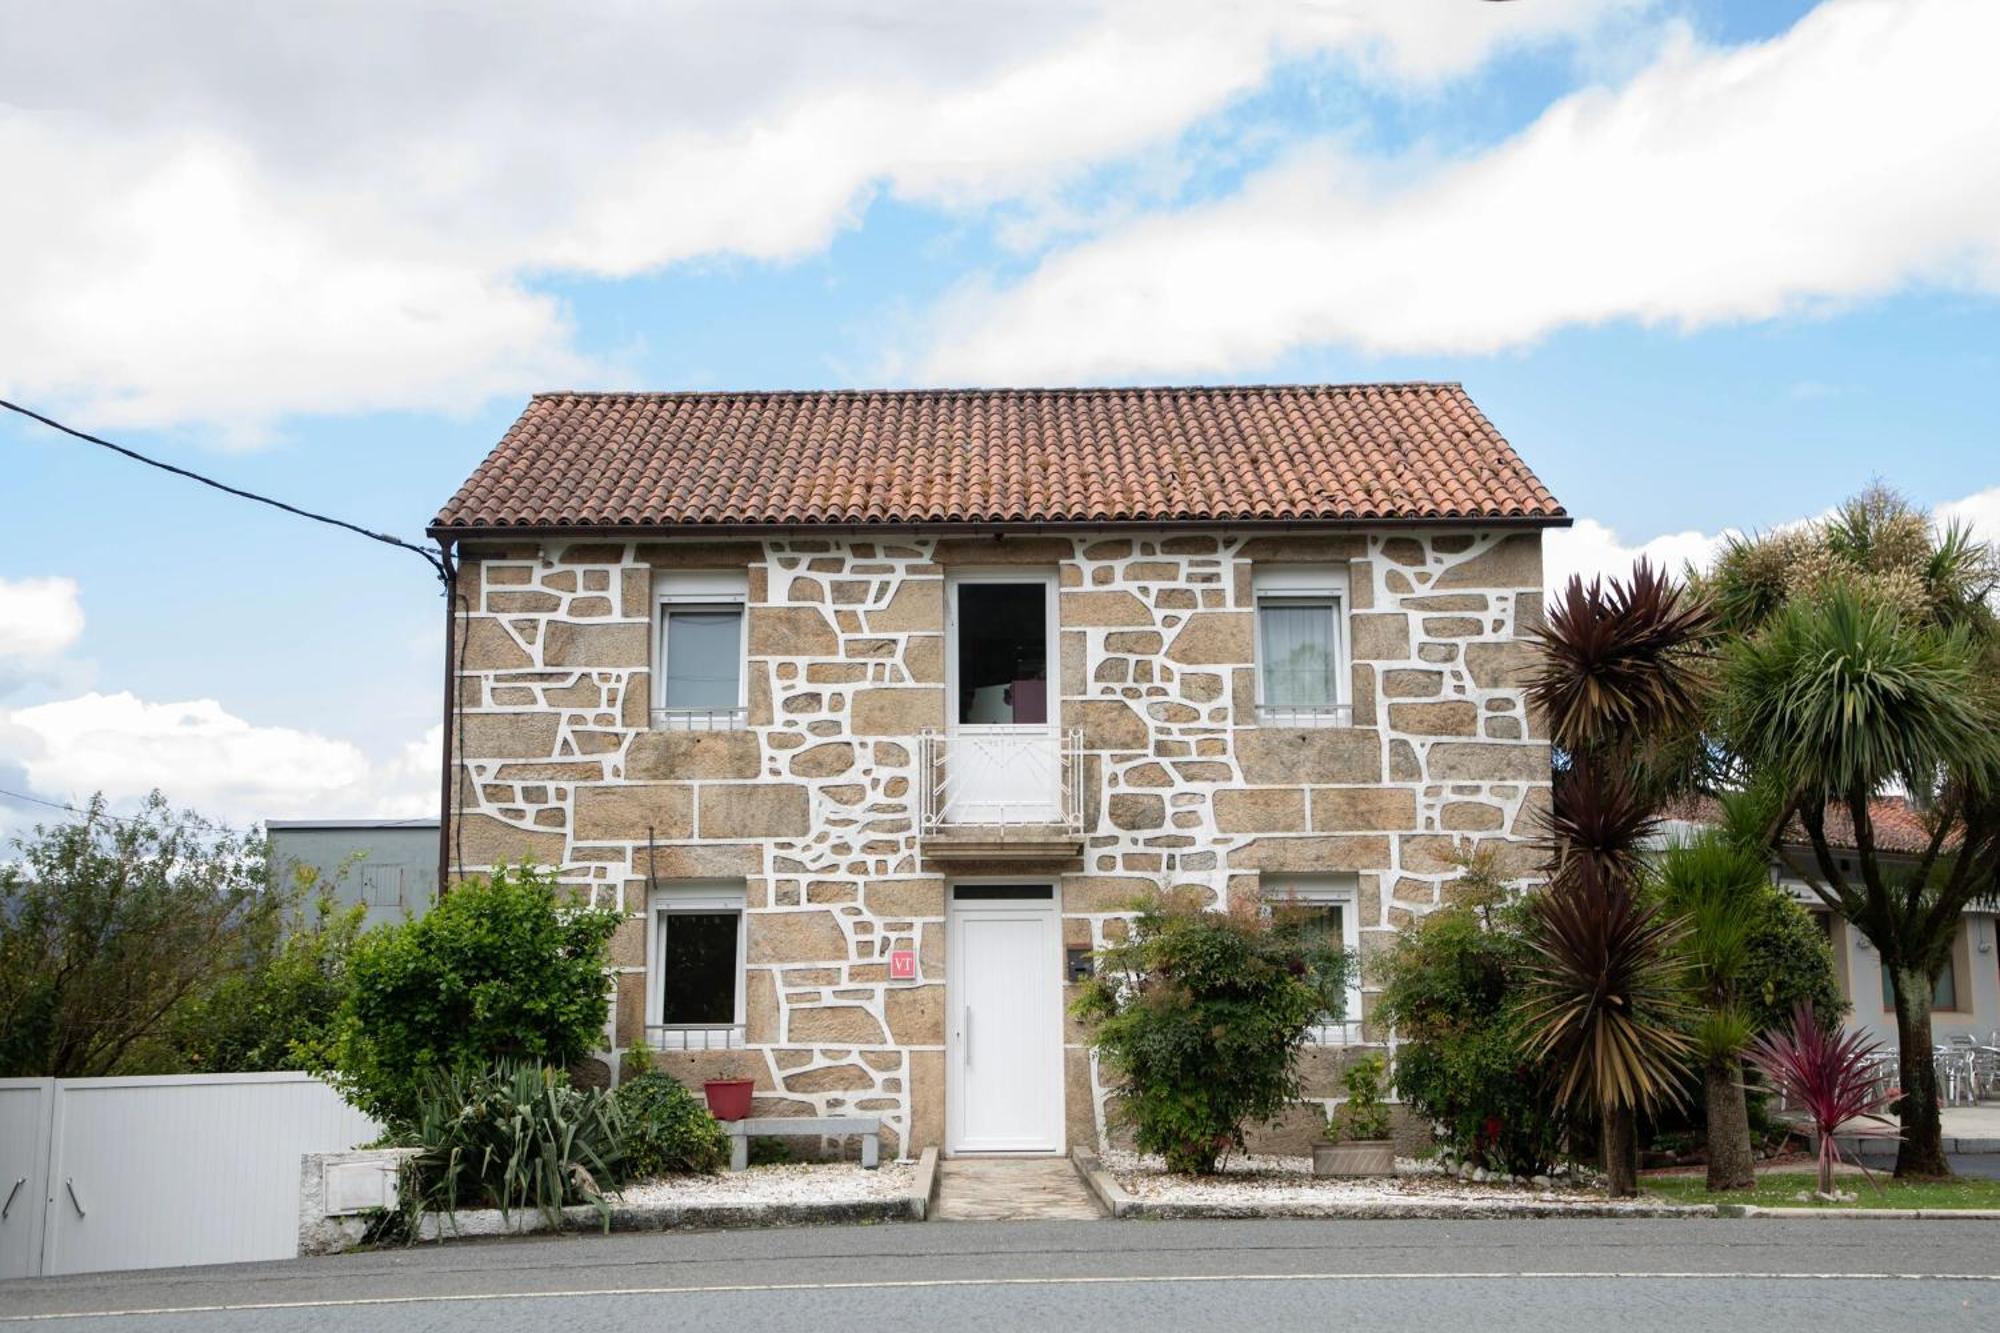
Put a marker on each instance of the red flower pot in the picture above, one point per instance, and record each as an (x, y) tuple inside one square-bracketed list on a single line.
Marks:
[(728, 1098)]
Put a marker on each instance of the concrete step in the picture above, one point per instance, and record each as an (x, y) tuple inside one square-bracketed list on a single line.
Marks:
[(1005, 1189)]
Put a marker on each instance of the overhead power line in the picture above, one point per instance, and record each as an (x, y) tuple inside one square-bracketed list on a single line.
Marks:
[(438, 561)]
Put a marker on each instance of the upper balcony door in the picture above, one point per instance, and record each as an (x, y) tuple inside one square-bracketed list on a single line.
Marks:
[(1003, 763)]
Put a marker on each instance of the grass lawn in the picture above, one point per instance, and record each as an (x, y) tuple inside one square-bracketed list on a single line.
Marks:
[(1780, 1190)]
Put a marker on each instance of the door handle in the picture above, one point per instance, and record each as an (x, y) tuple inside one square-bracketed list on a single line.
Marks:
[(70, 1185), (967, 1043), (8, 1207)]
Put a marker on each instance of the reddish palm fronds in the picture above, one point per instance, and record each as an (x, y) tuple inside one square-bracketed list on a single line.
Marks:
[(1828, 1073), (1621, 661)]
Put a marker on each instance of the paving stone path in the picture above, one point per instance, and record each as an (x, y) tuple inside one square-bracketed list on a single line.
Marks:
[(995, 1189)]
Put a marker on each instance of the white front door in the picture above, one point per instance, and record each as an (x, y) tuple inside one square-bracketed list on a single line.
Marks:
[(1003, 1092)]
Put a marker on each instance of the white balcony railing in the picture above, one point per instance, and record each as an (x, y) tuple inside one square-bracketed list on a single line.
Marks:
[(997, 776), (1306, 715), (700, 719)]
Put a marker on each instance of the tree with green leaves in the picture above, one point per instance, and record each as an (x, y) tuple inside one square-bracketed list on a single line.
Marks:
[(1201, 1015), (1622, 684), (504, 967), (111, 925), (1865, 661)]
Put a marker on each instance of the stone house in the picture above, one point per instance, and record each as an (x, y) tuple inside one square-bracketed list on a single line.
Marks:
[(875, 711)]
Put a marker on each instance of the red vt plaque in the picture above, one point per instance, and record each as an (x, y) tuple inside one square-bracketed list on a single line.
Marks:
[(902, 965)]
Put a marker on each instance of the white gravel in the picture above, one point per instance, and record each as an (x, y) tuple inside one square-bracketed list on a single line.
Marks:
[(1255, 1181), (794, 1182)]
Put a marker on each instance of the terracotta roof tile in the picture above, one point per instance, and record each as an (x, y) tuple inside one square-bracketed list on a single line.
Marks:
[(900, 457), (1899, 826)]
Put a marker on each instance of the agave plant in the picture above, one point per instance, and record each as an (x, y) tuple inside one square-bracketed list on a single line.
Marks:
[(1828, 1073)]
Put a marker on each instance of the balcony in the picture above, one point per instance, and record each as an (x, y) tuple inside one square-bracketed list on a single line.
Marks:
[(1001, 793)]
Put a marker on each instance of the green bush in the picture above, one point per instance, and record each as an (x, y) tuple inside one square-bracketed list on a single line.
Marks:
[(1791, 963), (667, 1129), (1200, 1015), (1364, 1115), (1450, 985), (512, 1135), (499, 969)]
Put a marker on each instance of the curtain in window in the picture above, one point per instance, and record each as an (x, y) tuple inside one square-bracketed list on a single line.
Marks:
[(704, 657), (1298, 653)]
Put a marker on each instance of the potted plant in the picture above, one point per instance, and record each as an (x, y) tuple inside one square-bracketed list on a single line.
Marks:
[(728, 1098), (1357, 1133)]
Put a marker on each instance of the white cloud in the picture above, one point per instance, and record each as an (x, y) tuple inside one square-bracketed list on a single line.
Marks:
[(1854, 155), (206, 758), (39, 618), (1591, 549), (240, 211)]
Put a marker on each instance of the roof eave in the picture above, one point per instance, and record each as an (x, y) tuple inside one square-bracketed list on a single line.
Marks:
[(451, 533)]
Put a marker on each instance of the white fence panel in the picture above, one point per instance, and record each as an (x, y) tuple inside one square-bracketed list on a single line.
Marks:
[(187, 1169), (26, 1105)]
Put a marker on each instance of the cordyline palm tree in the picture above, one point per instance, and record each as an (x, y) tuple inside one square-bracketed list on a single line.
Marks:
[(1840, 698), (1621, 684), (1712, 885)]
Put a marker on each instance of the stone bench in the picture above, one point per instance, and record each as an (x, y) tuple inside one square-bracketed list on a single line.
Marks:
[(740, 1132)]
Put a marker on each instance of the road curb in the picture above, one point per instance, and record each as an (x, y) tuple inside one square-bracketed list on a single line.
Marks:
[(924, 1197), (1864, 1214), (1103, 1186)]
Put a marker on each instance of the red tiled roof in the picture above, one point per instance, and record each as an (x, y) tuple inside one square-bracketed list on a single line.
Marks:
[(1899, 826), (1328, 453)]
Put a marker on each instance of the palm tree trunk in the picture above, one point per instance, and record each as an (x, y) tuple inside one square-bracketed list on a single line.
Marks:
[(1621, 1151), (1921, 1152), (1731, 1165)]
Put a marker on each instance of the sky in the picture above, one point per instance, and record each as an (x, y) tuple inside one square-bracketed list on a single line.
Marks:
[(1710, 266)]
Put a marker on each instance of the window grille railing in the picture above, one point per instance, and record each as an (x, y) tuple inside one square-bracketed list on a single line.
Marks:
[(1001, 778), (700, 719)]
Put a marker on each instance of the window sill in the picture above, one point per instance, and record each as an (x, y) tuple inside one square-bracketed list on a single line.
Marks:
[(704, 719), (696, 1039), (1338, 715)]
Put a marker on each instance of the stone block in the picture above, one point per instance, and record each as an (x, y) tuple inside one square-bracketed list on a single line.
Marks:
[(1363, 809), (1471, 816), (625, 813), (1085, 895), (1312, 854), (917, 605), (904, 898), (1305, 549), (755, 810), (896, 710), (1453, 717), (565, 644), (485, 841), (796, 937), (693, 755), (1079, 1103), (826, 760), (926, 1100), (1380, 636), (833, 1024), (700, 554), (508, 735), (1261, 810), (1136, 810), (792, 631), (1108, 724), (487, 646), (1411, 684), (628, 943), (998, 550), (1475, 761), (923, 658), (915, 1014), (1514, 561), (1500, 666), (702, 861), (1288, 756), (1216, 638), (1114, 607)]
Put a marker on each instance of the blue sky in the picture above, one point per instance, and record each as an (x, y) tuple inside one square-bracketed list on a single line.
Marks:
[(1709, 266)]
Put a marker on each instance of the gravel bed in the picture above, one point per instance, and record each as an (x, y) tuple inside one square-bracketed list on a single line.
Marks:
[(1264, 1181), (791, 1183)]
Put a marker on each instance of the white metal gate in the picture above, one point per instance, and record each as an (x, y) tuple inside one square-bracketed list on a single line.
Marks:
[(161, 1172)]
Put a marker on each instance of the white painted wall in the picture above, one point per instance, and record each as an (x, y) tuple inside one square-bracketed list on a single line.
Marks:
[(165, 1172)]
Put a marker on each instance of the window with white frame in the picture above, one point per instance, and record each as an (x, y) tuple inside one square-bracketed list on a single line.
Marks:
[(694, 966), (699, 647), (1302, 645), (1328, 904)]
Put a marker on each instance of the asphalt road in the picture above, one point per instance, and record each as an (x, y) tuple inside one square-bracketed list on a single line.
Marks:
[(1484, 1276)]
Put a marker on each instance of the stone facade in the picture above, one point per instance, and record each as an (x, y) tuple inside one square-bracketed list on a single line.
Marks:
[(813, 804)]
